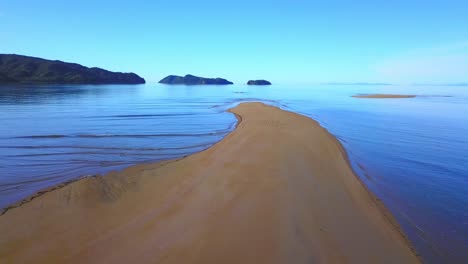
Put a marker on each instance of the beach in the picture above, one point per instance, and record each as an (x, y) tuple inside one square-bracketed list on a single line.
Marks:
[(278, 189)]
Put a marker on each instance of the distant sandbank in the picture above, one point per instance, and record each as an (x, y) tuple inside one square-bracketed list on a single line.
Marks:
[(278, 189), (383, 96)]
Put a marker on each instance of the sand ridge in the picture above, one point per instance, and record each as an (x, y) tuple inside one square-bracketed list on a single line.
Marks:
[(278, 189)]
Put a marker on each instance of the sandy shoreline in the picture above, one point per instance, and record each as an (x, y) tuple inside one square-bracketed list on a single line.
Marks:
[(384, 96), (278, 189)]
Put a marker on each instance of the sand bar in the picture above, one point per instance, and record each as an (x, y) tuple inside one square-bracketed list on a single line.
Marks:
[(276, 190), (384, 96)]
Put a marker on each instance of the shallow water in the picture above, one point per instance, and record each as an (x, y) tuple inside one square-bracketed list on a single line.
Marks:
[(412, 153)]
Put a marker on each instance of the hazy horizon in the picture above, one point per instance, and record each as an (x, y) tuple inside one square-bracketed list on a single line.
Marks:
[(293, 42)]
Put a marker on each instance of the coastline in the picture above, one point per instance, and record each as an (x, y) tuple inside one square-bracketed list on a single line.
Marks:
[(143, 204)]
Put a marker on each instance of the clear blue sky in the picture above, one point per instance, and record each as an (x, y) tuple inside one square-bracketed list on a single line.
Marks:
[(289, 41)]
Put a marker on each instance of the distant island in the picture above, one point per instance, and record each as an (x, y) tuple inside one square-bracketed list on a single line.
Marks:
[(258, 82), (194, 80), (31, 70)]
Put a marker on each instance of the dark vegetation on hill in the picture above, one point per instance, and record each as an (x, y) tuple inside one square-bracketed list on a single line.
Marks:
[(258, 82), (24, 69), (194, 80)]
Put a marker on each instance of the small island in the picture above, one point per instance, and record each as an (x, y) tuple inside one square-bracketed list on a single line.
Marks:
[(258, 82), (384, 96), (193, 80), (30, 70)]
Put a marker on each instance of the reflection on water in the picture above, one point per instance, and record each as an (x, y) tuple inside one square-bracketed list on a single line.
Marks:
[(410, 152)]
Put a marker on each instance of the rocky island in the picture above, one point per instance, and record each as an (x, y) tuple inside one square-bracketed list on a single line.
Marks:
[(258, 82), (193, 80), (31, 70)]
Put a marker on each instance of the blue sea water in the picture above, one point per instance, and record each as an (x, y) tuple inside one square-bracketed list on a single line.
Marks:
[(412, 153)]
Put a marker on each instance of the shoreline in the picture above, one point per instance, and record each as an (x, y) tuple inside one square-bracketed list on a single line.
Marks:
[(118, 189)]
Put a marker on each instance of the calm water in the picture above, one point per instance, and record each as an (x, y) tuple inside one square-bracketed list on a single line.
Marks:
[(413, 153)]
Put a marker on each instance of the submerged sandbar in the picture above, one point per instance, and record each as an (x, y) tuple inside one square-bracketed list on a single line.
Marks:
[(383, 96)]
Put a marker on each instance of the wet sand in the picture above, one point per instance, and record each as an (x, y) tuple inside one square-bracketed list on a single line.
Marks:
[(383, 96), (278, 189)]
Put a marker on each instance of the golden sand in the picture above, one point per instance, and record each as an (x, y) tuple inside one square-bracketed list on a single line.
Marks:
[(278, 189)]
